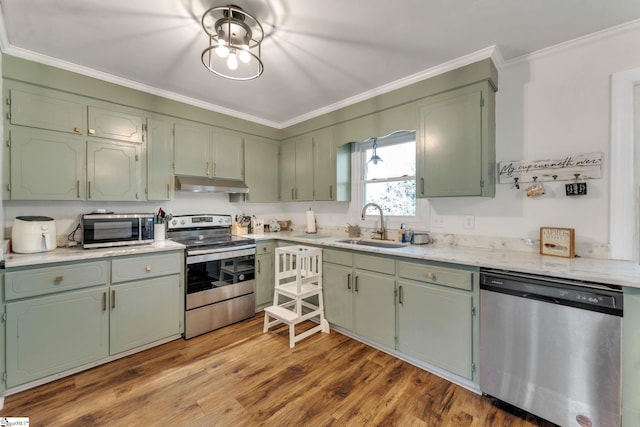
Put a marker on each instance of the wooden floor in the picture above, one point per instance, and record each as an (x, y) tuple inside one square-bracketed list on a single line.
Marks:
[(238, 376)]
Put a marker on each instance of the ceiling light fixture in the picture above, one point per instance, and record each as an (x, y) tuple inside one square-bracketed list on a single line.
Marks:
[(235, 37), (374, 157)]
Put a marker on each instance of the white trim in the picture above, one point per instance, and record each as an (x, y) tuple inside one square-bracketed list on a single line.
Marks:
[(574, 43), (489, 52), (622, 203)]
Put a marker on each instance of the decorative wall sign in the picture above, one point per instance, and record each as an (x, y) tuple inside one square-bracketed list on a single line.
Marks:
[(557, 241), (586, 166)]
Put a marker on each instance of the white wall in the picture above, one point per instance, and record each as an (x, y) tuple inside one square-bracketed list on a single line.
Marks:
[(550, 104)]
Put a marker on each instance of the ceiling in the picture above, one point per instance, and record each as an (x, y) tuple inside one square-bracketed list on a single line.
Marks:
[(318, 54)]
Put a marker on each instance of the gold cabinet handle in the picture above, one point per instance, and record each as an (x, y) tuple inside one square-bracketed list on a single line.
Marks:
[(113, 299), (92, 131), (77, 129), (147, 268), (89, 190), (356, 287), (331, 191), (349, 281), (207, 168), (78, 189), (258, 266), (59, 279), (104, 301), (214, 168), (431, 275), (400, 295)]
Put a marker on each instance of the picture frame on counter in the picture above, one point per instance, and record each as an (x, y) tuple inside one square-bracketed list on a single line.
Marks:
[(556, 241)]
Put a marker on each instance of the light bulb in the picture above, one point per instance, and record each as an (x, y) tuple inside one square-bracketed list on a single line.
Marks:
[(232, 62), (244, 54), (222, 50)]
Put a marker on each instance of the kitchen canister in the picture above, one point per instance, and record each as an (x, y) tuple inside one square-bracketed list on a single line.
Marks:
[(311, 221), (159, 232)]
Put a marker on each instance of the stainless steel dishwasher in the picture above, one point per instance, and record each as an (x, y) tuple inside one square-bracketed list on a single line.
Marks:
[(552, 347)]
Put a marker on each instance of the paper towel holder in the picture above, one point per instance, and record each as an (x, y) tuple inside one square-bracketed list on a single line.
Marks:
[(312, 224)]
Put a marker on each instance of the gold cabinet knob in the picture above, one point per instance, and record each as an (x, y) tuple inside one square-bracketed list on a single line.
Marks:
[(59, 279), (431, 276), (148, 268)]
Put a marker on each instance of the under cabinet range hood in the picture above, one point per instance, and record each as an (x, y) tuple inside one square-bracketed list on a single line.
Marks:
[(198, 184)]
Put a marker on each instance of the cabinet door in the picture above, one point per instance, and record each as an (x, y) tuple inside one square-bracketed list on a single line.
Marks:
[(287, 171), (450, 145), (324, 166), (143, 312), (113, 171), (46, 165), (159, 160), (192, 149), (304, 169), (46, 109), (435, 325), (374, 307), (261, 171), (228, 155), (265, 279), (337, 286), (48, 335), (117, 125)]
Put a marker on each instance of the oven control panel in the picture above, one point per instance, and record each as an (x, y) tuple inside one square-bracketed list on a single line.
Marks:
[(199, 221)]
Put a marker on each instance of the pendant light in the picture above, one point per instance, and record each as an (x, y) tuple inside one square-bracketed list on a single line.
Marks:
[(375, 158)]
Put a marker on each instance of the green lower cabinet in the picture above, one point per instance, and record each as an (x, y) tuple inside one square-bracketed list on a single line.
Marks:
[(265, 280), (336, 289), (435, 326), (143, 312), (374, 307), (51, 334)]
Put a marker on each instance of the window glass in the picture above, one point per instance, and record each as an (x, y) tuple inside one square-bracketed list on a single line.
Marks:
[(391, 182)]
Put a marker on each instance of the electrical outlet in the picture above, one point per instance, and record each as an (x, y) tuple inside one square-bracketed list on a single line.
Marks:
[(437, 221), (469, 222)]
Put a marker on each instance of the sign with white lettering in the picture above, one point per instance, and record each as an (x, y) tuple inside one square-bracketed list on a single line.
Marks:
[(580, 166)]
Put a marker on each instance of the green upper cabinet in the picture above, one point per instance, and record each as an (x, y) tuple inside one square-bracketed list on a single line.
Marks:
[(331, 167), (112, 124), (159, 159), (228, 154), (45, 165), (261, 171), (296, 169), (114, 172), (456, 143), (205, 151), (45, 109), (192, 148)]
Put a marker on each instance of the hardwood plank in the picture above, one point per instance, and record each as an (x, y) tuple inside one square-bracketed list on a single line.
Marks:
[(238, 376)]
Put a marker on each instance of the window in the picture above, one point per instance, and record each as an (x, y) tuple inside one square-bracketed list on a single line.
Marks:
[(391, 183)]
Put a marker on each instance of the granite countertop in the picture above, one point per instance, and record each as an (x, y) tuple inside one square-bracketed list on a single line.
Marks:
[(614, 272), (78, 254)]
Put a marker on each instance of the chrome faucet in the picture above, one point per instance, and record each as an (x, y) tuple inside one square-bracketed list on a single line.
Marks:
[(382, 232)]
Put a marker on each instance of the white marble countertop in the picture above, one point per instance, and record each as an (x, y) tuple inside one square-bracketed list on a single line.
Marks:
[(623, 273), (614, 272), (78, 254)]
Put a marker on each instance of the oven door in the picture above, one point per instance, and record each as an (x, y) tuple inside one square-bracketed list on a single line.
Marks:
[(220, 275)]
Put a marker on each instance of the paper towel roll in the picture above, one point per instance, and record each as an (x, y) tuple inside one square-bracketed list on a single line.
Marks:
[(311, 221)]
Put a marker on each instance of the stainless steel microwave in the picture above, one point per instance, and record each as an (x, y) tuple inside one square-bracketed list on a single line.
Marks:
[(107, 230)]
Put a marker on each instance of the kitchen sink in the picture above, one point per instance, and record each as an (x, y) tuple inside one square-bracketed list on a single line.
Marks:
[(372, 243)]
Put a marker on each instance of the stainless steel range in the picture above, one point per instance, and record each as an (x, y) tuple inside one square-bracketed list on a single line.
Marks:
[(220, 280)]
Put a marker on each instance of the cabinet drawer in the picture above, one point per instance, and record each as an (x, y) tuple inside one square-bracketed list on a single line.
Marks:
[(337, 257), (46, 280), (264, 247), (134, 268), (374, 263), (452, 277)]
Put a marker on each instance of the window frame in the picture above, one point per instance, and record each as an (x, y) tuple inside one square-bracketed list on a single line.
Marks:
[(372, 216)]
